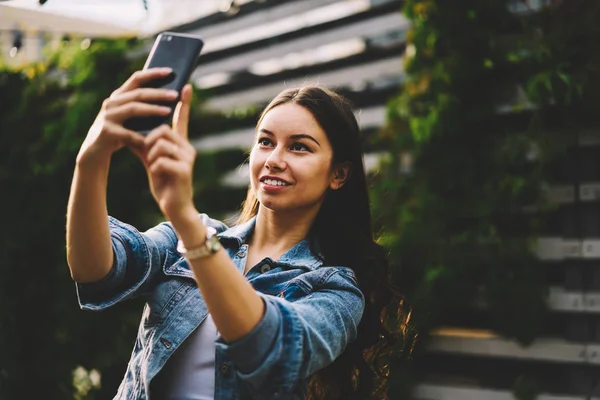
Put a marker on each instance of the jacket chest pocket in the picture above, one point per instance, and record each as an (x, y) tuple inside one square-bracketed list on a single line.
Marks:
[(302, 285), (296, 290), (177, 266), (276, 282), (292, 290)]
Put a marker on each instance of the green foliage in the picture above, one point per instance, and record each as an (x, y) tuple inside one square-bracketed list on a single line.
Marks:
[(45, 111), (455, 221)]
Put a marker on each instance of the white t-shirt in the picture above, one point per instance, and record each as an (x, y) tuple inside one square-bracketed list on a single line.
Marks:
[(190, 372)]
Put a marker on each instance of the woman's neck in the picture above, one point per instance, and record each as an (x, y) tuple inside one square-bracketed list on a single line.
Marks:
[(278, 233)]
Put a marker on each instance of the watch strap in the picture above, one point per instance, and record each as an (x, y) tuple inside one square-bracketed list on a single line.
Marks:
[(210, 246)]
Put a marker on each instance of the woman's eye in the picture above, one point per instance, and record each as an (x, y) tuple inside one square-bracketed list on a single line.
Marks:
[(264, 142), (299, 147)]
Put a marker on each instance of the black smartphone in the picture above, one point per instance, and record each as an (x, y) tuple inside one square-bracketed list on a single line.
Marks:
[(179, 52)]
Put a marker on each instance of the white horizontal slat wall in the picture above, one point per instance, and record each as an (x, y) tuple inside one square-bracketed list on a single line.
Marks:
[(220, 72), (344, 77), (371, 27)]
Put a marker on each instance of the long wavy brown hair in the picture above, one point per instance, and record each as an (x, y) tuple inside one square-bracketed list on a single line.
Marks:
[(342, 229)]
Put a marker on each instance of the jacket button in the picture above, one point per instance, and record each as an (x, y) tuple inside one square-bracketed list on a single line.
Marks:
[(264, 268), (224, 369), (241, 254), (166, 343)]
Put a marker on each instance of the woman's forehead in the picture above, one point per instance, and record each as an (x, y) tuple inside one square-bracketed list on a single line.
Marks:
[(290, 118)]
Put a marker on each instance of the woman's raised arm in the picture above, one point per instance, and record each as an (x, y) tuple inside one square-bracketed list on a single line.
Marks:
[(89, 249)]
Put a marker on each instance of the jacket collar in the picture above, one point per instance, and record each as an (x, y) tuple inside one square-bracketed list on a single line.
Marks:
[(299, 256), (239, 233)]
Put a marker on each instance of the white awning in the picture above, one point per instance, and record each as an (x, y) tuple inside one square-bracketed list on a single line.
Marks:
[(32, 17), (102, 18)]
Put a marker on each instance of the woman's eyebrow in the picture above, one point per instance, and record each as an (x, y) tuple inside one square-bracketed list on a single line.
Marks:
[(298, 136)]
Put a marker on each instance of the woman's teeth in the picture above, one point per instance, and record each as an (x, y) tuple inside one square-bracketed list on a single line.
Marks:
[(273, 182)]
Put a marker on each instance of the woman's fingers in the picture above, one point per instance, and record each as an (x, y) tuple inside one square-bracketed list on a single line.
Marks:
[(169, 160), (138, 78), (163, 142), (163, 149), (107, 134), (181, 117), (164, 132), (127, 137), (135, 109), (143, 95), (166, 168), (132, 99)]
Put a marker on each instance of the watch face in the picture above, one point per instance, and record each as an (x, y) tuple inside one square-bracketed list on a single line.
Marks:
[(213, 244), (210, 246)]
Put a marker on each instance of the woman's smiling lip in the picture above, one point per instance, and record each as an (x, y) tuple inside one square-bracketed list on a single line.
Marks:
[(272, 178), (267, 183)]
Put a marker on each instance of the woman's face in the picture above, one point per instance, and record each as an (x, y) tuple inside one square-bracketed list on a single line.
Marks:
[(290, 163)]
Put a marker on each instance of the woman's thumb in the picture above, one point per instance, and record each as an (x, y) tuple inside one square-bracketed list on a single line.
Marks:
[(181, 116)]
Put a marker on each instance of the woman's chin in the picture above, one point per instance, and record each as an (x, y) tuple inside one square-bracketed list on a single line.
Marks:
[(276, 205), (271, 204)]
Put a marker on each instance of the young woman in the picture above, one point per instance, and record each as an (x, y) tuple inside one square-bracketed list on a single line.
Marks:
[(259, 310)]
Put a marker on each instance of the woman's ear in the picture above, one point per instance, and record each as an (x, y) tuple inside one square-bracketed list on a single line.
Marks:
[(341, 174)]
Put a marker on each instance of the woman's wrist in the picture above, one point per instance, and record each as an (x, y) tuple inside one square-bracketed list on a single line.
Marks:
[(189, 226), (93, 160)]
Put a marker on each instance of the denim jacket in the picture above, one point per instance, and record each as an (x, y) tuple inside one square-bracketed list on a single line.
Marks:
[(311, 312)]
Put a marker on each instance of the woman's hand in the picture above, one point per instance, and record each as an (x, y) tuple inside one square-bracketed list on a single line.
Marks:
[(107, 133), (169, 159)]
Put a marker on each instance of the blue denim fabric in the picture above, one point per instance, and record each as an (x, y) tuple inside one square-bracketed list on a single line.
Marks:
[(312, 312)]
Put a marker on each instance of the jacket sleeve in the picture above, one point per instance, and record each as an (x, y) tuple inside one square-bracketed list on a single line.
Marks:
[(138, 261), (303, 330)]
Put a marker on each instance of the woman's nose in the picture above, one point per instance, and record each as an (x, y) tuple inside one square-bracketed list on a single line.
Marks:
[(276, 160)]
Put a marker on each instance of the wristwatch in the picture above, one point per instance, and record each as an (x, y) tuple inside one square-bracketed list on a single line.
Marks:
[(210, 246)]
